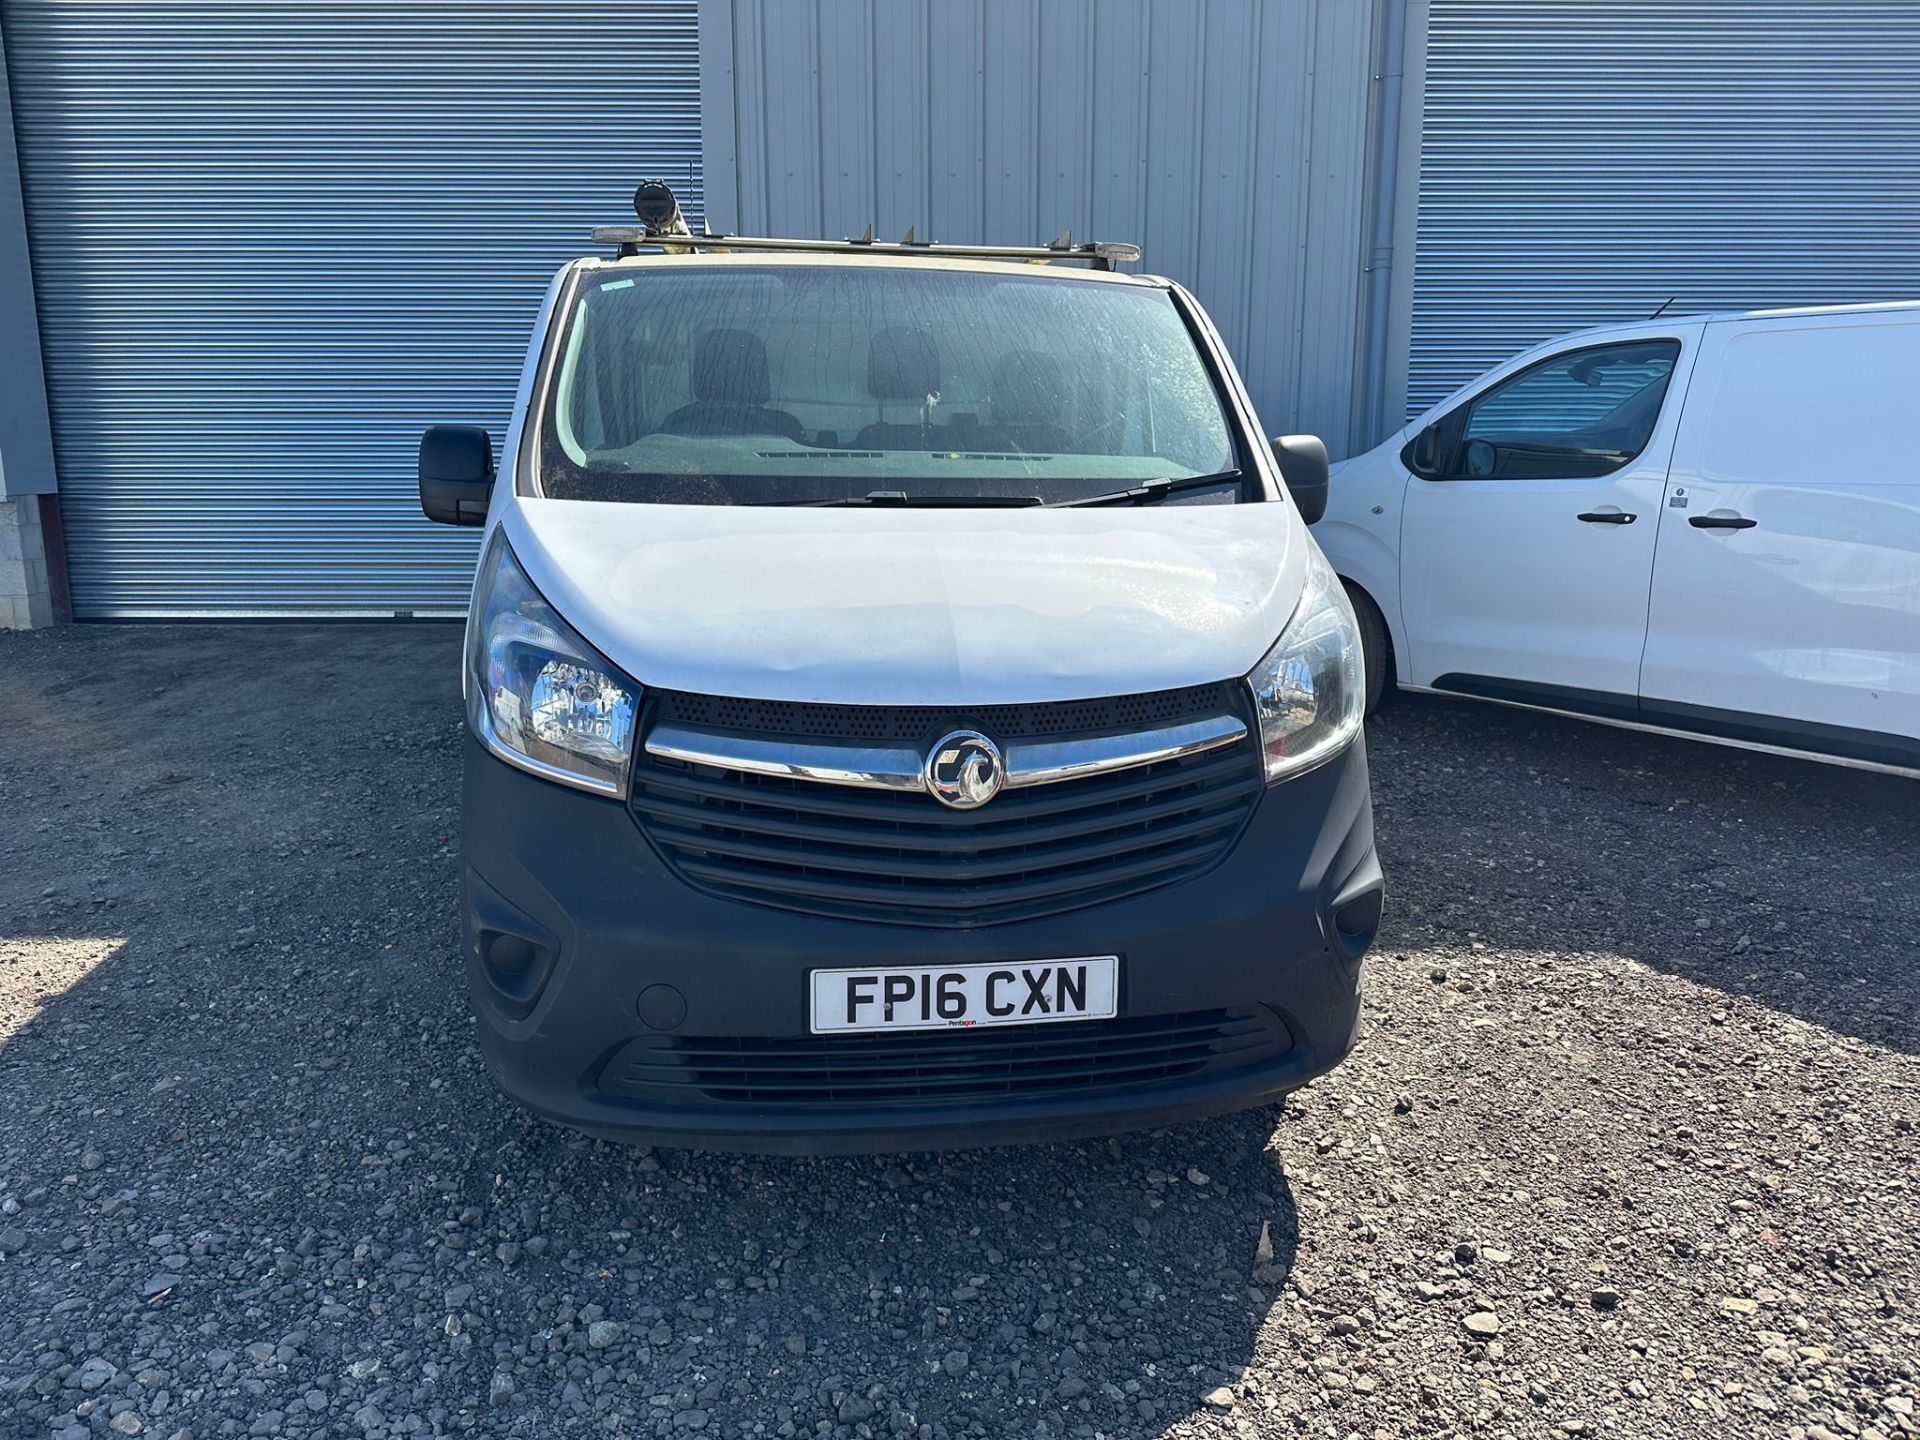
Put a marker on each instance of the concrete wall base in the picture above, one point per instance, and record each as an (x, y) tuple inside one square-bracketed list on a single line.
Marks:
[(26, 593)]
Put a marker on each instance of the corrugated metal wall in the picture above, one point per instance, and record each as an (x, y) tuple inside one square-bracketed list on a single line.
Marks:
[(272, 241), (1586, 160), (1227, 137)]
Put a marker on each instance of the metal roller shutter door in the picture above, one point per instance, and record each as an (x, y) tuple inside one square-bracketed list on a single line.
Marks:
[(272, 241), (1584, 161)]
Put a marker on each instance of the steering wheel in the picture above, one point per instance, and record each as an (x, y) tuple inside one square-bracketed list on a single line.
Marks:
[(1479, 459)]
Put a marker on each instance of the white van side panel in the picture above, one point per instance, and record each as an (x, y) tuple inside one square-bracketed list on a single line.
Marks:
[(507, 463), (1360, 532), (1810, 428), (1500, 577)]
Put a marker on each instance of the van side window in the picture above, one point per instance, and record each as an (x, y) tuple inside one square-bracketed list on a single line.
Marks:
[(1572, 416)]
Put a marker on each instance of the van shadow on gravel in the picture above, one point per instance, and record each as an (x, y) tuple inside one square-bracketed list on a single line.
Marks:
[(1783, 882), (255, 1177), (1000, 1287)]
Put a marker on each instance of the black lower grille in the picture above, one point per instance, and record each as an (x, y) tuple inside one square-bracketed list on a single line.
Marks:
[(903, 858), (945, 1066), (910, 723)]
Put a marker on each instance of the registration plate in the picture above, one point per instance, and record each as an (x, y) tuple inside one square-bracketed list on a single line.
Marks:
[(947, 996)]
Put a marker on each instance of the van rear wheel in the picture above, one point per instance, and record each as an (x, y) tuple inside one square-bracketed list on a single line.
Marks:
[(1376, 646)]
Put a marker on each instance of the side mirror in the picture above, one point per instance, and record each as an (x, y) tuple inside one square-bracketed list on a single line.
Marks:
[(1303, 465), (456, 474), (1424, 454)]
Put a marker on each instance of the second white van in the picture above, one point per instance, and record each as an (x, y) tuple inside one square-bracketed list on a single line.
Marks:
[(1708, 526)]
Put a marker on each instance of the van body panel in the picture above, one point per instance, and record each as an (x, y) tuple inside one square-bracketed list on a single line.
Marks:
[(917, 607), (1500, 576), (1360, 532), (1811, 613), (509, 462), (1772, 570)]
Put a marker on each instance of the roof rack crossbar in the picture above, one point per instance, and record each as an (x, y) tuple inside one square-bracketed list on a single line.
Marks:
[(1101, 255)]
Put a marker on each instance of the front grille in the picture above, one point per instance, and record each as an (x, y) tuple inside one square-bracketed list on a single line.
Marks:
[(902, 858), (918, 724), (924, 1067)]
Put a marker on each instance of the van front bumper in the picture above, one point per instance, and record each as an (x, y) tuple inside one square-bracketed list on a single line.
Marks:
[(614, 997)]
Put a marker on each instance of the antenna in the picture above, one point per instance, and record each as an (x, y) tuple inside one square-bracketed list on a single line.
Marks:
[(1663, 307)]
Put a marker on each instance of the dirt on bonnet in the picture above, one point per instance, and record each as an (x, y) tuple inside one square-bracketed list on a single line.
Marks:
[(1628, 1147)]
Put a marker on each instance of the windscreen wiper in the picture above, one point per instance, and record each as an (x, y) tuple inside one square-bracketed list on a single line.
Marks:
[(1148, 491), (903, 499)]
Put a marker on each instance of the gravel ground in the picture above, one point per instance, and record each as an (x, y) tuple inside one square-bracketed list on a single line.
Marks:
[(1628, 1145)]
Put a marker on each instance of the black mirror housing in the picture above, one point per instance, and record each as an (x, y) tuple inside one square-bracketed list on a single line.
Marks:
[(1423, 452), (456, 474), (1303, 465)]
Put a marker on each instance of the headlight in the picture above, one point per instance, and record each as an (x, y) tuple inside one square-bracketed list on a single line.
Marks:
[(1310, 692), (539, 696)]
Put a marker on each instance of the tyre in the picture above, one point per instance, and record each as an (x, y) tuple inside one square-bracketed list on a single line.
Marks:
[(1376, 647)]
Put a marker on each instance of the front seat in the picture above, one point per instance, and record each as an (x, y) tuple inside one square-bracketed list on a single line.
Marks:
[(902, 367), (730, 391), (1028, 394)]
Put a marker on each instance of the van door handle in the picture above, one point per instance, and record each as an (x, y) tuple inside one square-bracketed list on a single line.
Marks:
[(1721, 522), (1606, 517)]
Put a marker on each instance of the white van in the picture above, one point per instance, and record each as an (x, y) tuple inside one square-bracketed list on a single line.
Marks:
[(1705, 526), (906, 707)]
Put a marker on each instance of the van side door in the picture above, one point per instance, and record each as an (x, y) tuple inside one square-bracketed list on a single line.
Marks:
[(1786, 592), (1526, 547)]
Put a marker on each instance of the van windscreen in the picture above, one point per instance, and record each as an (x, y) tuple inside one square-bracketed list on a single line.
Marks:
[(795, 384)]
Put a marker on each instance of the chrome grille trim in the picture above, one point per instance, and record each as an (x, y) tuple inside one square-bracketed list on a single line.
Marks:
[(894, 768), (874, 767), (1049, 762)]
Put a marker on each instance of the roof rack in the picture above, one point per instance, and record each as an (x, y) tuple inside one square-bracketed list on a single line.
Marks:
[(1101, 255), (664, 228)]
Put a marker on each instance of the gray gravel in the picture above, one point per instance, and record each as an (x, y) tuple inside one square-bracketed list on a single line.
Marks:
[(1628, 1146)]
